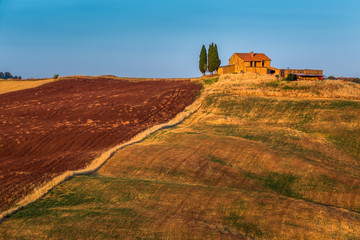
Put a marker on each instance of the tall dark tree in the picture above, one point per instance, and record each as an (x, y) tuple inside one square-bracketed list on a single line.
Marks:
[(211, 58), (2, 75), (203, 60), (217, 59)]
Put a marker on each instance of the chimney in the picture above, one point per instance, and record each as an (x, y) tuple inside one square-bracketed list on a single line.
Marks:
[(252, 54)]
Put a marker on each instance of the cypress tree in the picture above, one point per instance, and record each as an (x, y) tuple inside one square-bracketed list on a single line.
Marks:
[(211, 58), (217, 59), (203, 60)]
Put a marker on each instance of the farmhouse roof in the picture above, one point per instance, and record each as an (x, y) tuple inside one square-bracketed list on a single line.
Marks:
[(253, 56), (307, 75)]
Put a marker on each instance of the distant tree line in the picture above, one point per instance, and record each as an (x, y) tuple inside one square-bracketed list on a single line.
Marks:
[(209, 61), (8, 75), (355, 80)]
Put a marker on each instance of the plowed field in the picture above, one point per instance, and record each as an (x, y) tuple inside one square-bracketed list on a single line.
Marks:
[(61, 126)]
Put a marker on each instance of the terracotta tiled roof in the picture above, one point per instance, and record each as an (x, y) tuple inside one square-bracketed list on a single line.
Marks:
[(256, 57)]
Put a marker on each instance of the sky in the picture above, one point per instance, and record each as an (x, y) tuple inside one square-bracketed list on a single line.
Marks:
[(163, 38)]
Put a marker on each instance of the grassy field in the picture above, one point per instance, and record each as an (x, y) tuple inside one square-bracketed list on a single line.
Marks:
[(16, 85), (261, 159)]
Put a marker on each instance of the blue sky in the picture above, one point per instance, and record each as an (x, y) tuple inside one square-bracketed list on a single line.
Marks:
[(163, 38)]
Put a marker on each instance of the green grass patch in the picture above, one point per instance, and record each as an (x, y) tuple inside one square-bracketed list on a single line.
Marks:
[(32, 211), (211, 81), (274, 84), (216, 160), (275, 138), (281, 183), (191, 133), (241, 224), (295, 87), (57, 199), (321, 183), (346, 139), (287, 85)]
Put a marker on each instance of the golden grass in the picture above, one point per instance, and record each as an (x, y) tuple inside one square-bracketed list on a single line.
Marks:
[(257, 160), (98, 207), (16, 85), (265, 85)]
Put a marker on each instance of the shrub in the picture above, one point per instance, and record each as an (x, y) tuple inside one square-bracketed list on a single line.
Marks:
[(56, 76), (290, 77)]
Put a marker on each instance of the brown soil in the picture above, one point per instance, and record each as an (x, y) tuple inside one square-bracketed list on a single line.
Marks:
[(64, 125)]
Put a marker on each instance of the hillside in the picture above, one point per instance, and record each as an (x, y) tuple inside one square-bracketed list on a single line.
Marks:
[(64, 125), (261, 159)]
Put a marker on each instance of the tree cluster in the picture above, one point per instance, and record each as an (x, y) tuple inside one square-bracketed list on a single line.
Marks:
[(209, 61), (356, 80), (8, 75)]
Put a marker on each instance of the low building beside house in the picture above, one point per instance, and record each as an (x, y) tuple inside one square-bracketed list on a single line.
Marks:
[(303, 74), (226, 69)]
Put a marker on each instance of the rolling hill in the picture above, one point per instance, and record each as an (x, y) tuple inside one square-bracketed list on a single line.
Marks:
[(261, 159)]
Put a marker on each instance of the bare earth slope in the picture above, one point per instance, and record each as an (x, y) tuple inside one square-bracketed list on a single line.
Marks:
[(61, 126)]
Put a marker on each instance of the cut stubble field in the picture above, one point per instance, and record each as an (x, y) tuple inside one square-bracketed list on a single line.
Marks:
[(17, 85)]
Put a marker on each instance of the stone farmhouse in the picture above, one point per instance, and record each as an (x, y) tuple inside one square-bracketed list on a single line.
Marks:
[(260, 63), (249, 62)]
